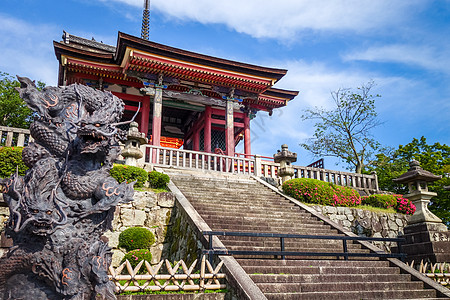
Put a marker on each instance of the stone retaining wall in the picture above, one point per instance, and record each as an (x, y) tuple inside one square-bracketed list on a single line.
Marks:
[(149, 210), (367, 223)]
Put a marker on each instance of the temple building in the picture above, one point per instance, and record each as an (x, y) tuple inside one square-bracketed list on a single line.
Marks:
[(183, 99)]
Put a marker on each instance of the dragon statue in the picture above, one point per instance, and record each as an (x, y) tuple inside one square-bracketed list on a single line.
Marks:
[(66, 200)]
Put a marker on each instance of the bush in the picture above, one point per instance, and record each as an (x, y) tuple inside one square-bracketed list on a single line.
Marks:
[(382, 201), (129, 174), (158, 180), (136, 238), (10, 159), (400, 204), (320, 192), (135, 256)]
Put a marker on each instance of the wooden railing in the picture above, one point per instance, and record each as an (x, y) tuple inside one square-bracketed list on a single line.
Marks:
[(176, 278), (14, 137), (256, 165)]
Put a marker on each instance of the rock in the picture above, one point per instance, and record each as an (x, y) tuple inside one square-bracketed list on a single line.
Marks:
[(347, 224), (399, 222), (331, 209), (166, 200), (156, 253), (143, 200), (392, 225), (117, 257), (132, 218), (113, 237), (350, 217)]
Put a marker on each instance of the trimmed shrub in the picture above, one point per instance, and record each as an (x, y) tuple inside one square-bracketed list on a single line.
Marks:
[(158, 180), (400, 204), (320, 192), (10, 159), (379, 200), (129, 174), (135, 256), (405, 206), (136, 238)]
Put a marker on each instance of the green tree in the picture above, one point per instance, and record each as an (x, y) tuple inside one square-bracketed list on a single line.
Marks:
[(345, 130), (13, 110), (433, 158)]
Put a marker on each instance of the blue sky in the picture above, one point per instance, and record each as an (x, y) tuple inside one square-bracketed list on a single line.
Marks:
[(402, 45)]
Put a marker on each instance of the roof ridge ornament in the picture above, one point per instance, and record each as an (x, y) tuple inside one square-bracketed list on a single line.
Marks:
[(145, 20)]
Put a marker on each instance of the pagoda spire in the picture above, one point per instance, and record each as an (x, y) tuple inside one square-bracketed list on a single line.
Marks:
[(145, 20)]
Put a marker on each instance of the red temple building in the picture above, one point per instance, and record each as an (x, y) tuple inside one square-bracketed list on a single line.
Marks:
[(187, 99)]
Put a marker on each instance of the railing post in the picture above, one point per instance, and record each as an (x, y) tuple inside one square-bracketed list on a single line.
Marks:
[(210, 248), (283, 257), (9, 138), (257, 168), (344, 242)]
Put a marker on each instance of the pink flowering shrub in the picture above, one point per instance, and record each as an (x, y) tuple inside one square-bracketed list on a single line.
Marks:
[(320, 192), (397, 202), (135, 256)]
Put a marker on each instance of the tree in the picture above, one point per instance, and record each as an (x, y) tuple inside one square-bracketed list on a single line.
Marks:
[(13, 110), (345, 130), (433, 158)]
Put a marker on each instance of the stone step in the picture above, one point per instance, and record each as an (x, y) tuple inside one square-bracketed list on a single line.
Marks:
[(316, 249), (271, 211), (338, 286), (289, 245), (313, 263), (379, 294), (246, 218), (311, 278), (319, 270), (272, 229)]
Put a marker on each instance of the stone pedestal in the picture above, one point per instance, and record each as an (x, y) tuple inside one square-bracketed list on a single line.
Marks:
[(427, 241)]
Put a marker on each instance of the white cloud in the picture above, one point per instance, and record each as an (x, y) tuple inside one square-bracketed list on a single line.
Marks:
[(27, 49), (285, 19), (425, 57)]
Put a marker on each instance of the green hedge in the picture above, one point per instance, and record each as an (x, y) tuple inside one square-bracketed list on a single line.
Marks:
[(136, 238), (10, 159), (158, 180), (135, 256), (320, 192), (123, 173), (397, 202)]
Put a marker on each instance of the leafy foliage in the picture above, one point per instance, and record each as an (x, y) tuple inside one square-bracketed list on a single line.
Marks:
[(13, 110), (123, 173), (135, 256), (136, 238), (158, 180), (319, 192), (345, 131), (10, 159), (400, 204), (434, 158)]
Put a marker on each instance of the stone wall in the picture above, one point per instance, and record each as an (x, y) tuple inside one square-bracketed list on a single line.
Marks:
[(149, 210), (367, 223)]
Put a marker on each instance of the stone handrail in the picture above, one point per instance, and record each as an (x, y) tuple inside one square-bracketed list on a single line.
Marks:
[(169, 157), (14, 137)]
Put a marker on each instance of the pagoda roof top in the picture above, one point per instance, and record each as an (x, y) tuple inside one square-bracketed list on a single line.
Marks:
[(101, 52)]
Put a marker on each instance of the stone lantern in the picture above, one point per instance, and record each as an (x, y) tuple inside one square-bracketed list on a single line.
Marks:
[(132, 151), (417, 180), (427, 238), (285, 158)]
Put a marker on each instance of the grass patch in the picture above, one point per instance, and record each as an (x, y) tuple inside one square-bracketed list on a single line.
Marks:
[(377, 209), (147, 189)]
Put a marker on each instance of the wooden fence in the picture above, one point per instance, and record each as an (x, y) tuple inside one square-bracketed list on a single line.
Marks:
[(439, 272), (178, 277)]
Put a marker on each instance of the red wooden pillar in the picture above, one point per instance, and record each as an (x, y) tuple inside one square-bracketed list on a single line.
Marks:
[(157, 114), (196, 139), (145, 115), (229, 130), (207, 129), (247, 145)]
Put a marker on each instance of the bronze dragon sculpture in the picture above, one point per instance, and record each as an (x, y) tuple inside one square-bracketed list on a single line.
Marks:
[(66, 200)]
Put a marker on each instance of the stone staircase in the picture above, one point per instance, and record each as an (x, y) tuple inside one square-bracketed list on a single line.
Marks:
[(244, 205)]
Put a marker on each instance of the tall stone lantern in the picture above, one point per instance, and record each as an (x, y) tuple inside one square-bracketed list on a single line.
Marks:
[(285, 158), (135, 139), (427, 238), (417, 180)]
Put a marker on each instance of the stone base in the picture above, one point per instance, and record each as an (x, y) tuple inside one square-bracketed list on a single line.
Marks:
[(429, 242)]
